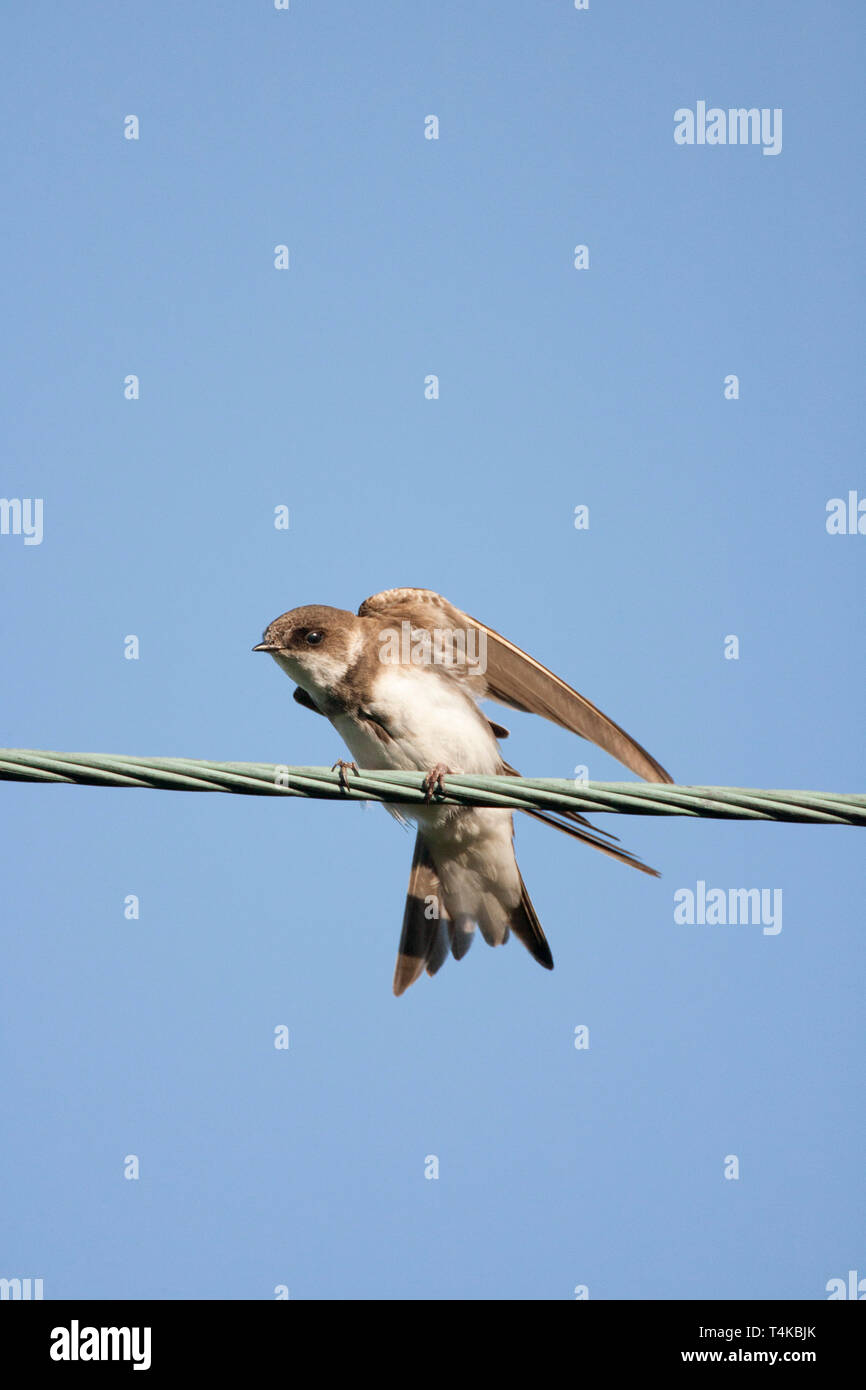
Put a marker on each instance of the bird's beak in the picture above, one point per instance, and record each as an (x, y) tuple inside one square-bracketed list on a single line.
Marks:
[(264, 647)]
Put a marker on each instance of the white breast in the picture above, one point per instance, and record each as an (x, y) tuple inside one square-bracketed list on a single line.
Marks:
[(430, 720)]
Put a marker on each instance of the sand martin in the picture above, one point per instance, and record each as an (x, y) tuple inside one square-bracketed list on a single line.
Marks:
[(400, 682)]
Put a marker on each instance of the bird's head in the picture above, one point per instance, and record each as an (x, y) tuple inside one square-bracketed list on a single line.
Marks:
[(315, 646)]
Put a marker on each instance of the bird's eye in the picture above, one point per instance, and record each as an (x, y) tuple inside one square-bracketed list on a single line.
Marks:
[(314, 638)]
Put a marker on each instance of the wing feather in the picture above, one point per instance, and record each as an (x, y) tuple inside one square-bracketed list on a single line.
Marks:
[(514, 678)]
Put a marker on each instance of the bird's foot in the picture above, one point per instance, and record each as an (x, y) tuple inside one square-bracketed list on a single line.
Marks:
[(344, 769), (433, 782)]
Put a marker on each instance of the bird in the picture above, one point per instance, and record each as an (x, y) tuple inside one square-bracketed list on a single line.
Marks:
[(400, 681)]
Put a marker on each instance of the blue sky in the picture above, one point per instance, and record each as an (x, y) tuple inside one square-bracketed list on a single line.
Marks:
[(559, 387)]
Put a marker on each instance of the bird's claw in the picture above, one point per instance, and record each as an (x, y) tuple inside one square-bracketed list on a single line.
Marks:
[(344, 769), (433, 782)]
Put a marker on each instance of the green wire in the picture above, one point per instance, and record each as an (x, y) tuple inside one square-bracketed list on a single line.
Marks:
[(407, 788)]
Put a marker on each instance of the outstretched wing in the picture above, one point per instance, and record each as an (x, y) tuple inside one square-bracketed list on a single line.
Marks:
[(512, 677)]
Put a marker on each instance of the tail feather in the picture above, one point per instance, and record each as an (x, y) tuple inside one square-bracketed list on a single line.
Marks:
[(528, 929), (437, 919), (424, 939), (438, 952), (461, 934)]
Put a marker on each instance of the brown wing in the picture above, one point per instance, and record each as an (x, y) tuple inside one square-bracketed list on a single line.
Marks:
[(514, 678), (568, 821)]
